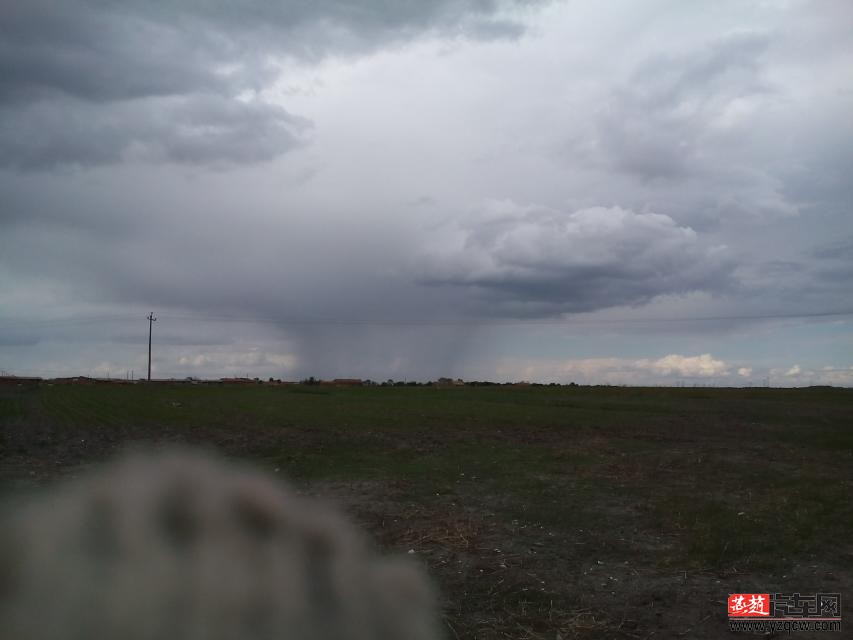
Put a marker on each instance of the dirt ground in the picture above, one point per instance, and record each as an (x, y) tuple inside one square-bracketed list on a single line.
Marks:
[(598, 543)]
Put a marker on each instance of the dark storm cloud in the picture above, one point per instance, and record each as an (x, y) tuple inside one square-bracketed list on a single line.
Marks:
[(196, 245), (187, 129), (88, 83), (100, 52), (706, 127), (110, 51), (543, 261)]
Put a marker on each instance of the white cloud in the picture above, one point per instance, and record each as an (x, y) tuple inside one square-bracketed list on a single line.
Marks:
[(666, 370), (230, 361), (704, 366), (669, 370), (798, 376)]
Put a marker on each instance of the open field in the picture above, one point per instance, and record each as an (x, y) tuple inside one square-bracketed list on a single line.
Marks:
[(541, 512)]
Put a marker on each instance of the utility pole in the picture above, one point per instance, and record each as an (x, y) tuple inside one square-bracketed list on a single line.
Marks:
[(151, 319)]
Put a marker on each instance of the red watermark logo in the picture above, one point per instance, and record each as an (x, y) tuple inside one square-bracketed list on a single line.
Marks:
[(749, 605), (784, 612), (778, 606)]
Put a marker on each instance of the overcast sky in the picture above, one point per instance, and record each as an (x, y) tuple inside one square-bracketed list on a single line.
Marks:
[(652, 192)]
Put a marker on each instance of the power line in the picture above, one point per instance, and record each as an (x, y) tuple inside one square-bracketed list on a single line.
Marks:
[(308, 321), (378, 322), (10, 322)]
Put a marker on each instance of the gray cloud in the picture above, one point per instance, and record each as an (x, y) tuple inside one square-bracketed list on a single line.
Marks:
[(809, 281), (832, 267), (662, 123), (709, 130), (544, 261), (88, 83), (357, 135), (18, 339), (114, 51), (182, 339), (838, 250), (99, 53), (210, 130)]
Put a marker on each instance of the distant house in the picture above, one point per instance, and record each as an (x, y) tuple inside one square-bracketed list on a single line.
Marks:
[(238, 381), (344, 382), (449, 382), (73, 380)]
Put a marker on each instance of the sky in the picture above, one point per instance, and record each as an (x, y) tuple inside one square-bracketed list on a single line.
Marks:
[(653, 193)]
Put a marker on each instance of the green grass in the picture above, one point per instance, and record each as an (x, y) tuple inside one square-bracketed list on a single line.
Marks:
[(420, 406), (11, 408), (784, 523), (737, 477)]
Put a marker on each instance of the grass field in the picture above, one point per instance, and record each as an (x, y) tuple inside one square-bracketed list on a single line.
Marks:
[(584, 512)]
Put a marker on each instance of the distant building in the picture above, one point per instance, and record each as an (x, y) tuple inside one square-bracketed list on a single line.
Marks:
[(449, 382), (73, 380), (344, 382)]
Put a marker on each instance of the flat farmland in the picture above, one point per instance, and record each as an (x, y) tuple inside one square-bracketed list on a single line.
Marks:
[(540, 512)]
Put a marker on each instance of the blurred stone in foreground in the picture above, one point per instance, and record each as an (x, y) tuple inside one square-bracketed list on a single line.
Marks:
[(180, 545)]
